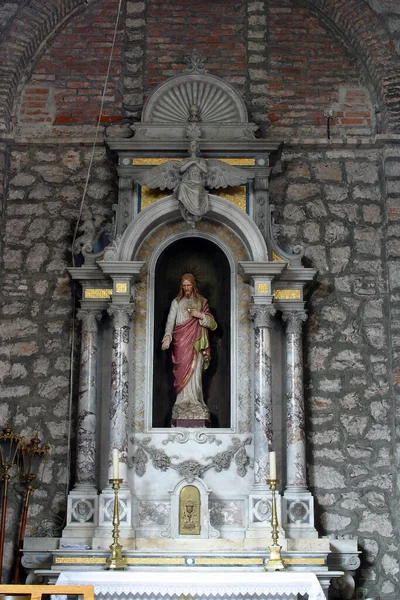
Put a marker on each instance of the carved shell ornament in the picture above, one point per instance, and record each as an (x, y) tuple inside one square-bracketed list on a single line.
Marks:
[(215, 99), (213, 102)]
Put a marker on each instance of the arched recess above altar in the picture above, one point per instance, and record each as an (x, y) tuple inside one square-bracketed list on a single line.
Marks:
[(226, 232), (214, 220)]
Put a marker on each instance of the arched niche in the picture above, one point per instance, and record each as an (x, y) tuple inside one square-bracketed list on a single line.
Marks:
[(166, 210), (209, 239), (207, 261)]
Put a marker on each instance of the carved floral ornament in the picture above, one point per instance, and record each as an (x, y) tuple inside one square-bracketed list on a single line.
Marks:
[(189, 469)]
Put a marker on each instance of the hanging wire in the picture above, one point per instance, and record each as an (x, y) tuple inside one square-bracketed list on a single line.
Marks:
[(74, 290), (96, 133)]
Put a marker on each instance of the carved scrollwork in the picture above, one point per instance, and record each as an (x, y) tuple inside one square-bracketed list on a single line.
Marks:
[(198, 436), (111, 251), (195, 63)]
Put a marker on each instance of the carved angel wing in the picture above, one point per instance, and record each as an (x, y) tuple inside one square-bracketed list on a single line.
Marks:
[(162, 176), (221, 174)]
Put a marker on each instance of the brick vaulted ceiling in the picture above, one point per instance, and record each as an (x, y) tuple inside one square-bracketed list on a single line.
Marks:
[(358, 27)]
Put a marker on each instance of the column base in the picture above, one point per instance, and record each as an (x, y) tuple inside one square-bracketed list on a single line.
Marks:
[(103, 533), (260, 514), (298, 513), (82, 516)]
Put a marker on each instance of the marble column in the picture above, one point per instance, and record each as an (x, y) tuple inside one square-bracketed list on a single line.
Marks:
[(119, 397), (261, 315), (82, 505), (297, 502), (295, 422), (87, 403)]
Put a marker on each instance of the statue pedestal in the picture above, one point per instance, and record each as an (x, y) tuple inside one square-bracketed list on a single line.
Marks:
[(190, 423)]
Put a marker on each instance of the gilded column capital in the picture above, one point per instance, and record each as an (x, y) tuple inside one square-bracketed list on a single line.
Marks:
[(121, 314), (261, 315), (294, 320), (89, 318)]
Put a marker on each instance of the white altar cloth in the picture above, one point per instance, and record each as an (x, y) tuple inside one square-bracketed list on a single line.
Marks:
[(196, 582)]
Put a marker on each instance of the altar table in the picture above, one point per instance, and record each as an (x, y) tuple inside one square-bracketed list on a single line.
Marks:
[(196, 583)]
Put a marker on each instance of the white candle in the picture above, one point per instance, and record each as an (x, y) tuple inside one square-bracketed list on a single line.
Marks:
[(115, 463), (272, 465)]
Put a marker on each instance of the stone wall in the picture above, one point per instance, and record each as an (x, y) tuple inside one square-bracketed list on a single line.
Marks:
[(338, 198), (36, 345), (331, 202)]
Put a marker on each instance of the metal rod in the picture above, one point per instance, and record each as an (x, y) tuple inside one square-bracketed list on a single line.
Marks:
[(28, 491), (5, 478)]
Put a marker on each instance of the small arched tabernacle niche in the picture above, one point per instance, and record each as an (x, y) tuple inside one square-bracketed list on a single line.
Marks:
[(211, 268)]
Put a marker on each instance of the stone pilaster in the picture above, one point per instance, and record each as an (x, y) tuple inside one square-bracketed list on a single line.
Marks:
[(261, 205)]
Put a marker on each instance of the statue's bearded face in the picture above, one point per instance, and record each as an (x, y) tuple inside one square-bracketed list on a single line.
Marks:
[(187, 287)]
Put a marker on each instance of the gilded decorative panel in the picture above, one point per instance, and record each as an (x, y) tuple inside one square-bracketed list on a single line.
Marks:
[(189, 511)]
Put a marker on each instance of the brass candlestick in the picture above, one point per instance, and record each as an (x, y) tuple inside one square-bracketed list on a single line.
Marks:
[(275, 562), (116, 560)]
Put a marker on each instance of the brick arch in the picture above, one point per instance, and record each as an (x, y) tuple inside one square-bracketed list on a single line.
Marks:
[(30, 27), (362, 31), (355, 21)]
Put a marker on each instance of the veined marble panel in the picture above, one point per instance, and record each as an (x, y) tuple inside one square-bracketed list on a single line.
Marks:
[(226, 513)]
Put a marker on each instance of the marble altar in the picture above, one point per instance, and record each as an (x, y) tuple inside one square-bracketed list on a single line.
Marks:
[(256, 391)]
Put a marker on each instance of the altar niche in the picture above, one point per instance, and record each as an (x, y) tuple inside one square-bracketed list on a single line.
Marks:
[(208, 263)]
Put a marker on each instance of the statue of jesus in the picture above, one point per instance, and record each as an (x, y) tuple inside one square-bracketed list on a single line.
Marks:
[(187, 328)]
